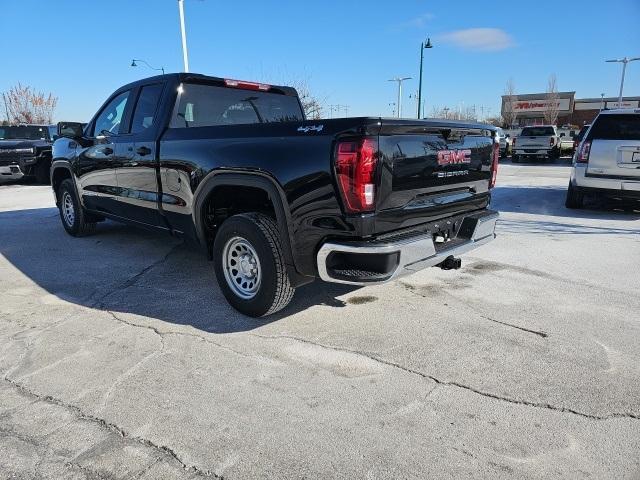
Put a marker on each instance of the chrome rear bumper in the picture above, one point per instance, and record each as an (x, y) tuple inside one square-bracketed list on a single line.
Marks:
[(405, 256)]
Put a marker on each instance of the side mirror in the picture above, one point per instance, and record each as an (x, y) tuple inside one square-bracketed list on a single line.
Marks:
[(72, 130), (562, 134), (508, 136)]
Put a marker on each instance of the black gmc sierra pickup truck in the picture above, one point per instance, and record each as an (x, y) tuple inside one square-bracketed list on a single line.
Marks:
[(25, 150), (276, 200)]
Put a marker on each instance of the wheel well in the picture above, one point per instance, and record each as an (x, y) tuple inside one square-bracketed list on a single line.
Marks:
[(225, 201), (59, 174)]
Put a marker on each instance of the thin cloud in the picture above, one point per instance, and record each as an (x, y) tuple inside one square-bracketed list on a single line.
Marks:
[(480, 39), (417, 22)]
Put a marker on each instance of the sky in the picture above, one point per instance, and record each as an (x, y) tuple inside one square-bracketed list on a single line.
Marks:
[(344, 50)]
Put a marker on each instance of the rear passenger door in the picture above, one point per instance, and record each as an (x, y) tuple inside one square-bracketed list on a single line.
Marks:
[(615, 146), (137, 174)]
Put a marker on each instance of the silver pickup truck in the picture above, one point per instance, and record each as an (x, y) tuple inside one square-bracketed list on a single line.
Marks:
[(539, 142)]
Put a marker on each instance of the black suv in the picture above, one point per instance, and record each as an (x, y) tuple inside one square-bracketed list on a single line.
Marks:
[(25, 150)]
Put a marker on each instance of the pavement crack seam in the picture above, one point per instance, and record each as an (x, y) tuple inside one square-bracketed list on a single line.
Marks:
[(506, 324), (135, 278), (446, 383), (412, 289), (178, 334), (111, 427)]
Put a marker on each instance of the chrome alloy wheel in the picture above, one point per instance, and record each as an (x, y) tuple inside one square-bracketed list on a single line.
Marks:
[(68, 211), (241, 267)]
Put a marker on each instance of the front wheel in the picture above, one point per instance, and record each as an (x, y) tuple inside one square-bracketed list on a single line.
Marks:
[(249, 265), (74, 219), (514, 158)]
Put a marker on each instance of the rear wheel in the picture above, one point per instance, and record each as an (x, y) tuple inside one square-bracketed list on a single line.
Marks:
[(249, 265), (74, 219), (575, 199), (515, 158)]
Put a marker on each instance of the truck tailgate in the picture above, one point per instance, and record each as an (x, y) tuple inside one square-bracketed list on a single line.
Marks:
[(431, 171)]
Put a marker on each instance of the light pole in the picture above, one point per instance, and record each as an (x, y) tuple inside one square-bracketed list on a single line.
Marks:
[(399, 80), (423, 45), (601, 101), (185, 55), (134, 64), (624, 62)]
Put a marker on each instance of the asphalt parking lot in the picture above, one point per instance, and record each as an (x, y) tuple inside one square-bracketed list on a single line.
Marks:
[(121, 359)]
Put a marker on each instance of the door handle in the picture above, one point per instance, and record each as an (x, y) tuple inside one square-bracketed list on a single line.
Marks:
[(142, 151)]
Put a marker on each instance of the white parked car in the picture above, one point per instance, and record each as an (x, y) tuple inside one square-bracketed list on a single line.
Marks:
[(540, 141), (566, 140), (505, 143), (607, 161)]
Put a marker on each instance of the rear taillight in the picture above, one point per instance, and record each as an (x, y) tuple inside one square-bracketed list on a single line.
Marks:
[(583, 154), (551, 141), (513, 142), (495, 159), (355, 165)]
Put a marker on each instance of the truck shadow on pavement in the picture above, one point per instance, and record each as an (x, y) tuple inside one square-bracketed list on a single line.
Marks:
[(550, 201), (122, 269)]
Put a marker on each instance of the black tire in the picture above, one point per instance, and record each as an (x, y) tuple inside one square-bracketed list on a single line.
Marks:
[(515, 158), (575, 199), (272, 291), (43, 171), (76, 222)]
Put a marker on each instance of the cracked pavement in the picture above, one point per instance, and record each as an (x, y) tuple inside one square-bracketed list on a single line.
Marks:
[(120, 359)]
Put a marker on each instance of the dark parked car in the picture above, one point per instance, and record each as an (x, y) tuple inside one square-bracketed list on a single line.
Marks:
[(578, 138), (276, 200), (25, 150)]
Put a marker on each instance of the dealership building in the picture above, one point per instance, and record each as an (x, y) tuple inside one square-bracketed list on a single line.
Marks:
[(529, 108)]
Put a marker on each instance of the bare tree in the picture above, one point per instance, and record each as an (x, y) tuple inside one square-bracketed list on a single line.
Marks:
[(508, 100), (496, 121), (24, 105), (311, 105), (552, 106), (459, 113)]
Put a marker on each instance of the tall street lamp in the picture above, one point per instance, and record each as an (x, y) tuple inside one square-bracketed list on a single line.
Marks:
[(399, 80), (624, 62), (135, 64), (185, 55), (423, 45)]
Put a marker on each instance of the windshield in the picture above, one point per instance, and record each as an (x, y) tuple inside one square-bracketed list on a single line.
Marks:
[(24, 132), (537, 131)]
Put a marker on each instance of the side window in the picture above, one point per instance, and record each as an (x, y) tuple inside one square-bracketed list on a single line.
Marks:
[(110, 118), (146, 107)]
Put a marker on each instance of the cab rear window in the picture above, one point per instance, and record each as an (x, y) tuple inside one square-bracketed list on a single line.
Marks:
[(208, 105), (616, 127), (537, 131)]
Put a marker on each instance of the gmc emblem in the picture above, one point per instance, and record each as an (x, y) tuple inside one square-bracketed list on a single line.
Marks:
[(453, 157)]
